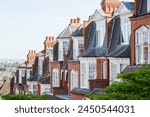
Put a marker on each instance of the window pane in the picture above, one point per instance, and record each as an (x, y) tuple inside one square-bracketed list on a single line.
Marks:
[(145, 49), (104, 70), (92, 69)]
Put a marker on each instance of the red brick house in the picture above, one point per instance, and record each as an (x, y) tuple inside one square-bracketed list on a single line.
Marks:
[(23, 72), (140, 37), (94, 64), (65, 69), (39, 83)]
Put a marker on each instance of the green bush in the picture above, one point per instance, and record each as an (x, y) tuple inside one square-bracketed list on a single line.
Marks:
[(29, 96), (134, 86)]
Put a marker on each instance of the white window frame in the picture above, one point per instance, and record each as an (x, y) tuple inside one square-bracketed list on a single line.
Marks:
[(126, 30), (148, 6), (75, 48), (92, 70), (139, 38), (100, 32), (113, 78), (60, 51), (104, 70), (83, 75), (74, 80), (55, 78)]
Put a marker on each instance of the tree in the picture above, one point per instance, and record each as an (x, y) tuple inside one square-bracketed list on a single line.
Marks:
[(134, 86)]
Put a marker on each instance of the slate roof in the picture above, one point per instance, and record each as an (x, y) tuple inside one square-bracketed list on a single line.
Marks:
[(81, 91), (91, 50), (45, 77), (115, 48), (36, 76), (132, 68), (129, 5), (45, 80), (67, 32), (143, 7), (79, 31)]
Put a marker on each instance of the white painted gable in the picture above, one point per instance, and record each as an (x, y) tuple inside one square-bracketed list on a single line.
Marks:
[(98, 14), (122, 9)]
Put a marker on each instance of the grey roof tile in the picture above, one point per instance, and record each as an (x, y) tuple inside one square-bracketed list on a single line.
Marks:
[(116, 49), (91, 50)]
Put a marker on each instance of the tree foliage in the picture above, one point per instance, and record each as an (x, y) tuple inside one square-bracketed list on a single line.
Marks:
[(29, 96), (133, 86)]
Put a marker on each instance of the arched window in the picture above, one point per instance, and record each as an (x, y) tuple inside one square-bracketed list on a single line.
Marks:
[(73, 80), (55, 78), (142, 36)]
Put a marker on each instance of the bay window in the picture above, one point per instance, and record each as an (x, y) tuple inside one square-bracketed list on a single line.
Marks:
[(142, 45)]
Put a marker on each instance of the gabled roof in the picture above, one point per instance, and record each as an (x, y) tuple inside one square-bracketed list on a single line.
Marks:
[(67, 32), (98, 14), (129, 5), (78, 31), (115, 48), (91, 50), (125, 7)]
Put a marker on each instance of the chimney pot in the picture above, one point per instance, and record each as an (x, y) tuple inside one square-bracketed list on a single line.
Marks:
[(78, 20), (75, 21)]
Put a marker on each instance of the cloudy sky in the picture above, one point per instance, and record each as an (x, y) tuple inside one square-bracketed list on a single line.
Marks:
[(25, 23)]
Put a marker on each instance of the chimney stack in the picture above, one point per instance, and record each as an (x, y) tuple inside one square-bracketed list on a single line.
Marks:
[(31, 56), (136, 6), (75, 22)]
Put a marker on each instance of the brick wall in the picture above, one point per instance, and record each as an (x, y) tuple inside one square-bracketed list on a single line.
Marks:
[(137, 22)]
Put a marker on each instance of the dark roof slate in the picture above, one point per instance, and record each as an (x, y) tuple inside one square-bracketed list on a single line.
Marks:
[(132, 68), (91, 50), (116, 49), (143, 7), (67, 32), (81, 91)]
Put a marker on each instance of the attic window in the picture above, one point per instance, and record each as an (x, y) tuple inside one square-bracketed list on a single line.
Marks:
[(126, 30)]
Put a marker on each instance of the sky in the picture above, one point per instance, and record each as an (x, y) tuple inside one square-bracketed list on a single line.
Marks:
[(24, 24)]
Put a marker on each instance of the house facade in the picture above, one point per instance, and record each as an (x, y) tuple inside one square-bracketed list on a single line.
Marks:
[(140, 35), (23, 72), (94, 64), (119, 42), (39, 83)]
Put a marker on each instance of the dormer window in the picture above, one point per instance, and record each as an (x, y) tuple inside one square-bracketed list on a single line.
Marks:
[(148, 6), (126, 30), (142, 45), (100, 33)]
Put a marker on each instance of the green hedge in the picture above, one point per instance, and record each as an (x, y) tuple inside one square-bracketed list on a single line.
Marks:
[(24, 97)]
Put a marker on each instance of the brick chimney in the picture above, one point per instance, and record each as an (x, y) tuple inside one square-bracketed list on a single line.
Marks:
[(86, 22), (49, 42), (109, 6), (75, 22), (31, 56), (136, 6)]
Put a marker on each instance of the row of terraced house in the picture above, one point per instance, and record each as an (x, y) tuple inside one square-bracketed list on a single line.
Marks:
[(86, 57)]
